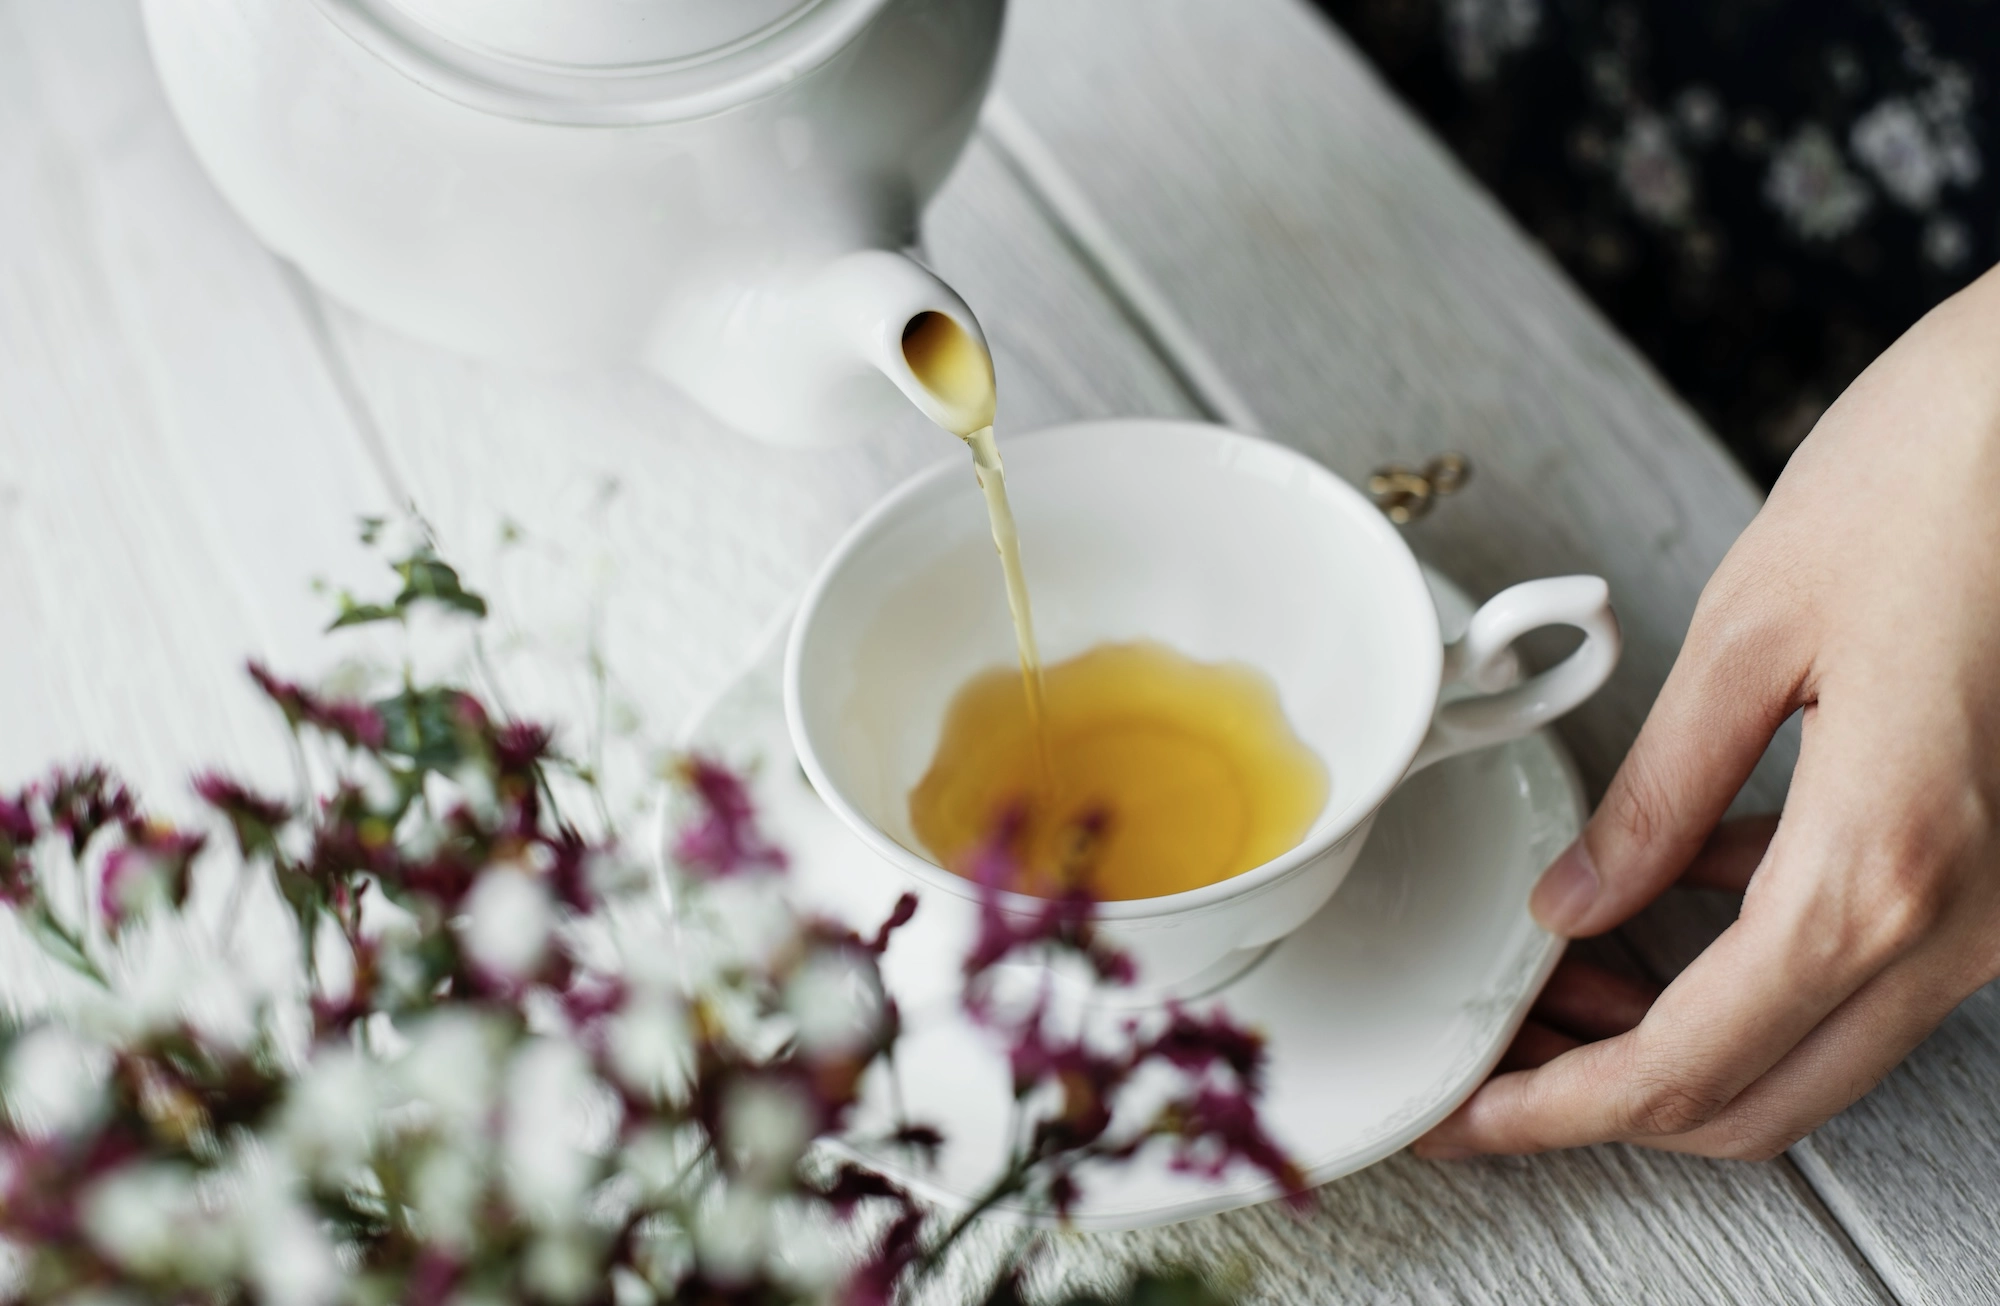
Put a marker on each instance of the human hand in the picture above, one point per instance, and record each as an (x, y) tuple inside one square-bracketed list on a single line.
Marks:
[(1867, 595)]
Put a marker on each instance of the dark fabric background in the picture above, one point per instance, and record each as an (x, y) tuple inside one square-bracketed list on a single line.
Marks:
[(1761, 193)]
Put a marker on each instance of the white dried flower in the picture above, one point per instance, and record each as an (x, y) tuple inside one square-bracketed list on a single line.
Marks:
[(807, 1252), (833, 1002), (508, 919), (661, 1160), (743, 921), (289, 1257), (561, 1267), (766, 1126), (328, 1121), (153, 974), (663, 1252), (629, 1289), (731, 1232), (13, 1266), (451, 1067), (651, 1043), (380, 790), (54, 1081), (446, 1189), (612, 874), (219, 1004), (644, 943), (149, 1219), (551, 1097)]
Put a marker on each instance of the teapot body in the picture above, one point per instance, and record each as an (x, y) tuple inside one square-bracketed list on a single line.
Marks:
[(565, 216)]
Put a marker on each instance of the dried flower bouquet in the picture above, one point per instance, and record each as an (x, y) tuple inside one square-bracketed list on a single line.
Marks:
[(403, 1029)]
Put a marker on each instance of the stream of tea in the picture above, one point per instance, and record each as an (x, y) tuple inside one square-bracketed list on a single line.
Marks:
[(952, 366), (1130, 769)]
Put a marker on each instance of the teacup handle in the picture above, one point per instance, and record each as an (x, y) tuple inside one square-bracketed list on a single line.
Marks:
[(1478, 659)]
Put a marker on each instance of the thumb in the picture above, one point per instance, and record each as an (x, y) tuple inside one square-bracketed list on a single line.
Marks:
[(1725, 698)]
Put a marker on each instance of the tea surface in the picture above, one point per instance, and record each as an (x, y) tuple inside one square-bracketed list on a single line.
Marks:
[(1166, 774)]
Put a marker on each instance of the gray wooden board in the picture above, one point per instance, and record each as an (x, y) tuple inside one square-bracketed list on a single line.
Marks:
[(174, 467), (186, 437)]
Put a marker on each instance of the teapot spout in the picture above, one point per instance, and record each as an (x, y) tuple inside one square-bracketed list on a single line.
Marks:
[(836, 357)]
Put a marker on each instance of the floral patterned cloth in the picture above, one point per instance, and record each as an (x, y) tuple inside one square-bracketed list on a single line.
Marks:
[(1762, 194)]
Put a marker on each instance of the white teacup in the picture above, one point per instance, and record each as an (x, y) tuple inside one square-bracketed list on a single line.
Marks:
[(1222, 546)]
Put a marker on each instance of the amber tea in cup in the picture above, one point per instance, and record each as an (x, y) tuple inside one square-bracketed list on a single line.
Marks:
[(1165, 774)]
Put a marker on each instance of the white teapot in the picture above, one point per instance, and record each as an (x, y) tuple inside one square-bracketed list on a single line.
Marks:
[(713, 189)]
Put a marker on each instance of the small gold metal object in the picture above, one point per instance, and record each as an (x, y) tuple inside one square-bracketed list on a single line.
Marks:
[(1405, 495)]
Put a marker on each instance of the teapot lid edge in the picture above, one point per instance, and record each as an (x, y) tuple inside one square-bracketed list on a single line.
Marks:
[(603, 95)]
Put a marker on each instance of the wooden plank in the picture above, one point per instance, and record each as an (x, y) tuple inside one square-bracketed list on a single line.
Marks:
[(174, 467)]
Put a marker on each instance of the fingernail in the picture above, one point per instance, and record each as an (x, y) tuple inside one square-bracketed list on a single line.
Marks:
[(1566, 890)]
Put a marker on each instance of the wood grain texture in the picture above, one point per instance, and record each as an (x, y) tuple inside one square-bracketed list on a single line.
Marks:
[(174, 468)]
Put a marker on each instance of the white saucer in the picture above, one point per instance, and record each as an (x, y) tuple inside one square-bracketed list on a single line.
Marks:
[(1383, 1012)]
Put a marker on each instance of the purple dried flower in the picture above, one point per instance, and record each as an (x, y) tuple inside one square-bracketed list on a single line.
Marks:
[(587, 1000), (1212, 1128), (1194, 1044), (17, 823), (924, 1140), (84, 801), (726, 840), (432, 1279), (520, 745), (17, 838), (852, 1185), (154, 858), (255, 818), (357, 724), (569, 875), (1063, 923), (904, 911), (879, 1279), (1064, 1193), (350, 838)]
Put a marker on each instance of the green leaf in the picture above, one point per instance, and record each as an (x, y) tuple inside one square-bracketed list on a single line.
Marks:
[(428, 577), (60, 944), (362, 614), (423, 725)]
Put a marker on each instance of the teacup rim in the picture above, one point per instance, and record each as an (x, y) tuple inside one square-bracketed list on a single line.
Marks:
[(926, 481)]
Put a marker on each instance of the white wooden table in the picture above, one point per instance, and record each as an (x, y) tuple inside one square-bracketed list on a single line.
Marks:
[(1175, 207)]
